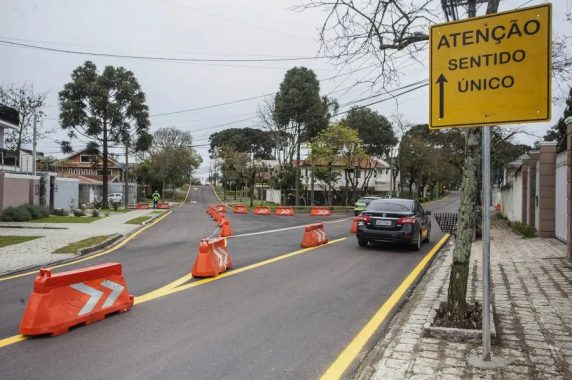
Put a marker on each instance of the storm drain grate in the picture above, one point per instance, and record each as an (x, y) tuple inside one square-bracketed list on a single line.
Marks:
[(447, 221)]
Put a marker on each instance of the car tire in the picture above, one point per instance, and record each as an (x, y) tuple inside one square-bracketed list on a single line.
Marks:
[(417, 245), (428, 235), (362, 242)]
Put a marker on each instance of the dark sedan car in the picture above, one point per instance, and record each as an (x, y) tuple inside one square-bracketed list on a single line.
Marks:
[(394, 221)]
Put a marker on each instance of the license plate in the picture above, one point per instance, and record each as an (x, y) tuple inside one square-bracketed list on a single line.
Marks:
[(383, 222)]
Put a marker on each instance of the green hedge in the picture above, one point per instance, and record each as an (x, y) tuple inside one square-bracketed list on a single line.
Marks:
[(23, 213)]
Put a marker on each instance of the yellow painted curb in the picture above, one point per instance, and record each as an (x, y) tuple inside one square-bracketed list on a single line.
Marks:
[(352, 350)]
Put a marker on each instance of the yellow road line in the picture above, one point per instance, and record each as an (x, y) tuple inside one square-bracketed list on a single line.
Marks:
[(11, 340), (168, 291), (107, 251), (174, 287), (348, 355), (217, 197), (151, 295)]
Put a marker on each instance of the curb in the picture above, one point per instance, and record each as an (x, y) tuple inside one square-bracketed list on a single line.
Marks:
[(108, 244), (364, 368)]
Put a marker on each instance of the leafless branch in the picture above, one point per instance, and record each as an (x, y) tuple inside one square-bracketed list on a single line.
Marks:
[(355, 30)]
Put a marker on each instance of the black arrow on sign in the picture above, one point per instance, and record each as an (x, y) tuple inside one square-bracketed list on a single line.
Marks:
[(441, 80)]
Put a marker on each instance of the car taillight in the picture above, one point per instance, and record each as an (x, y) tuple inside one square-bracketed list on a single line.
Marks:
[(407, 220), (364, 218)]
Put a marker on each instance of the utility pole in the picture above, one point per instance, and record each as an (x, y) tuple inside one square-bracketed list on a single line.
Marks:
[(126, 180), (312, 185), (34, 144)]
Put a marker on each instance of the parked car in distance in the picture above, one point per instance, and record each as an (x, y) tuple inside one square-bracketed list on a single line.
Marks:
[(115, 198), (394, 220), (362, 203)]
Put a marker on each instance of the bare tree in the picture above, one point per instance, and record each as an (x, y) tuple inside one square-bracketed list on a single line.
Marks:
[(382, 30), (282, 135), (356, 30), (29, 105)]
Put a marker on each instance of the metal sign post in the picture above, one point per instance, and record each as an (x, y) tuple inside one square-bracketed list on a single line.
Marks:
[(486, 211)]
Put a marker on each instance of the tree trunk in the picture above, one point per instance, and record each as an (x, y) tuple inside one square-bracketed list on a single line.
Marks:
[(252, 186), (457, 297), (297, 165), (126, 179)]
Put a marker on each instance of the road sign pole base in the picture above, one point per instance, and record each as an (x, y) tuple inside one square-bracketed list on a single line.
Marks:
[(477, 361)]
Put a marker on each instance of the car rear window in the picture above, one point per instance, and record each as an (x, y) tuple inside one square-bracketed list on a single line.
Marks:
[(389, 206)]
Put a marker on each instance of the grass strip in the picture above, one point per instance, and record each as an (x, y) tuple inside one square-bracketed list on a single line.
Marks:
[(120, 209), (66, 219), (11, 240), (138, 220), (157, 212), (74, 247)]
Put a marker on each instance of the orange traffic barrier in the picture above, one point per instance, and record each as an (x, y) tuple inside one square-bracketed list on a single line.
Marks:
[(225, 229), (286, 211), (213, 258), (262, 210), (240, 209), (353, 230), (220, 208), (320, 211), (163, 205), (498, 207), (314, 235), (142, 205), (67, 299)]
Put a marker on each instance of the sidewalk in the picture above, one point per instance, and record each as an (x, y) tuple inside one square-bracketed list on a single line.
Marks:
[(532, 290), (38, 252)]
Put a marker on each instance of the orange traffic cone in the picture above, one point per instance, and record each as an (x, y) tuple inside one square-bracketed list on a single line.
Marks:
[(225, 228), (353, 230)]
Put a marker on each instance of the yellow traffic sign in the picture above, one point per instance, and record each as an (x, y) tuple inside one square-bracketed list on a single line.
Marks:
[(491, 70)]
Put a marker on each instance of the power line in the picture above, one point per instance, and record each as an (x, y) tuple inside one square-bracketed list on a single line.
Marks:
[(211, 106), (168, 59)]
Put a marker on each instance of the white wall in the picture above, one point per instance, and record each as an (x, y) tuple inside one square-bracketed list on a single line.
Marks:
[(380, 180), (273, 196), (560, 206), (511, 198), (66, 193)]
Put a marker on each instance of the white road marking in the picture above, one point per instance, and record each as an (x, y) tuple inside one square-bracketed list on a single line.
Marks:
[(285, 229)]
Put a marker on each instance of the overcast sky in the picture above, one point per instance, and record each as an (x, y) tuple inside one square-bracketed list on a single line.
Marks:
[(220, 29)]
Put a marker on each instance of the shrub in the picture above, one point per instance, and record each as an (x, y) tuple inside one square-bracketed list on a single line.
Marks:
[(37, 211), (524, 229), (60, 212), (95, 213), (115, 205), (96, 204), (15, 214), (78, 212)]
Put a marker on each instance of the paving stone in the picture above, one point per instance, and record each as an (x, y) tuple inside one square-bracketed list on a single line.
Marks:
[(38, 252), (531, 292), (429, 354), (395, 363)]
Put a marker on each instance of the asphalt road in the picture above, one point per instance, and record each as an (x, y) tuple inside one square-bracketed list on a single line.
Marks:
[(284, 319)]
